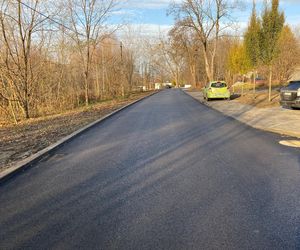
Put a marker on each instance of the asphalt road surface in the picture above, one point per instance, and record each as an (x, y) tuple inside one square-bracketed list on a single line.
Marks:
[(166, 173)]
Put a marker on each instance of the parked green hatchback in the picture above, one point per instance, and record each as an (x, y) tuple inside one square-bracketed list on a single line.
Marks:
[(216, 90)]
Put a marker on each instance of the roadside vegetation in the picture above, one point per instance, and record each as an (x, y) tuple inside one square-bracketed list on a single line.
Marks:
[(205, 48), (61, 55)]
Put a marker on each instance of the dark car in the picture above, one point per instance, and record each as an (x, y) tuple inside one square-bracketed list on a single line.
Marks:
[(290, 95)]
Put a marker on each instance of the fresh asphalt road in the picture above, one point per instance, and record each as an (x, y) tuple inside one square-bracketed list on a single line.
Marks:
[(166, 173)]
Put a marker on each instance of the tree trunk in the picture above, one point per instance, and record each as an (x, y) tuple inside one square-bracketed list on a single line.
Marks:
[(177, 77), (87, 70), (26, 96), (12, 112), (97, 85), (26, 109), (193, 73), (206, 61), (254, 83), (102, 67), (270, 82), (86, 88), (207, 69)]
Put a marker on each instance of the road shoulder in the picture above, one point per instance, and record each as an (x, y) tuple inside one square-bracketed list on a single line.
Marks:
[(274, 119)]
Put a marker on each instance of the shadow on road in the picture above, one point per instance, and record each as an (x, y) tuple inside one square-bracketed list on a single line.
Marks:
[(157, 185)]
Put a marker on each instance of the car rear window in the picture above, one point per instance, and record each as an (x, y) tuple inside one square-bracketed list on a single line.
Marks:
[(218, 85)]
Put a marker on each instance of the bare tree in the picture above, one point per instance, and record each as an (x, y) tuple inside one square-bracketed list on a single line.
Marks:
[(288, 55), (88, 19), (20, 23), (51, 60), (185, 40), (169, 56), (207, 18)]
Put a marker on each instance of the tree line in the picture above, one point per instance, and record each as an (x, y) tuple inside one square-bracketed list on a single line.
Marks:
[(59, 55), (56, 56), (202, 47)]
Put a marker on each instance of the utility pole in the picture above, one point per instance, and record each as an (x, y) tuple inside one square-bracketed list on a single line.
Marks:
[(121, 47), (102, 64)]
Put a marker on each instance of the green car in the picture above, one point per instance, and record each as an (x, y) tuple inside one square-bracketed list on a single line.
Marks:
[(216, 90)]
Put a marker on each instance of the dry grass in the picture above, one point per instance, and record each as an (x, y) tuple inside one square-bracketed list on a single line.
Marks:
[(20, 141), (260, 99)]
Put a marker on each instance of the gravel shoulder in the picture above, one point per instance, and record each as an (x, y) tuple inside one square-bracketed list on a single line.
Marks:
[(20, 141), (270, 118)]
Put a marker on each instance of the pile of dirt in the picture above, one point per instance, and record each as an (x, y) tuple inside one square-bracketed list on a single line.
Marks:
[(19, 141)]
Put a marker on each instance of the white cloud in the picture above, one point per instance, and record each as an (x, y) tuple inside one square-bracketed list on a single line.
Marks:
[(156, 4), (145, 30), (146, 4), (131, 9)]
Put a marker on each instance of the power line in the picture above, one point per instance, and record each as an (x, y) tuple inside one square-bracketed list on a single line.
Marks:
[(61, 24), (48, 17)]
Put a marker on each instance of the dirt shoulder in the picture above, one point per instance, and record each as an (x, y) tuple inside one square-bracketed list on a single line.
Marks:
[(18, 142)]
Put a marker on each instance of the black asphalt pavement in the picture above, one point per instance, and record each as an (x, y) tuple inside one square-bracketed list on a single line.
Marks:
[(166, 173)]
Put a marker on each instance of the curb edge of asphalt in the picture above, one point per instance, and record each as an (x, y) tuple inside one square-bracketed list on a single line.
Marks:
[(25, 164), (276, 131)]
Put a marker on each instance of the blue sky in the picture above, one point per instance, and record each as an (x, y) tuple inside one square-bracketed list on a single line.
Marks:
[(151, 14)]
